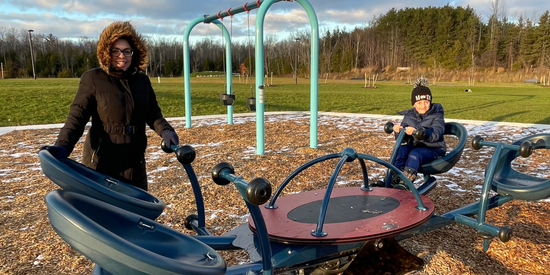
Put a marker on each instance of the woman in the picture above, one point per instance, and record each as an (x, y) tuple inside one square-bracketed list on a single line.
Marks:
[(120, 100)]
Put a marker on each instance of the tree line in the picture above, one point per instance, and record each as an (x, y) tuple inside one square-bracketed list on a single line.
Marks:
[(453, 38)]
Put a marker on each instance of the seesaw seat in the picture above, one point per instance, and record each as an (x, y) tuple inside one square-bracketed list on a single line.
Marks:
[(437, 166), (73, 176), (448, 161), (122, 242), (509, 182)]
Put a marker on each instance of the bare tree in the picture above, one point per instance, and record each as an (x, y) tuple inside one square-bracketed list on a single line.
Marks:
[(498, 11)]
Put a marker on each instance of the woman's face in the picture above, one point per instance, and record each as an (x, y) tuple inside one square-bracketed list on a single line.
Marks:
[(119, 51), (422, 106)]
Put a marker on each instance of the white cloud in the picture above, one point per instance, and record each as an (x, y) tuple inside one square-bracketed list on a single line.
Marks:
[(73, 19)]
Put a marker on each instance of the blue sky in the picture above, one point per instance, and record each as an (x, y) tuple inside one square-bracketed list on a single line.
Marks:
[(159, 18)]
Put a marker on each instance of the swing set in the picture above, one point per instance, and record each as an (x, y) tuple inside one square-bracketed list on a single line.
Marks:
[(256, 101)]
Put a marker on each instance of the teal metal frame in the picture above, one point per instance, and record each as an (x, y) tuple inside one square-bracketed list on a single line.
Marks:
[(262, 6), (187, 69), (314, 79)]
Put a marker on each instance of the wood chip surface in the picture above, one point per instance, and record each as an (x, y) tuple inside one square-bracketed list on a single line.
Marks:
[(30, 246)]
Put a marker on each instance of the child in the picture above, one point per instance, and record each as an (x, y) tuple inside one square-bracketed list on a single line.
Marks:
[(413, 152)]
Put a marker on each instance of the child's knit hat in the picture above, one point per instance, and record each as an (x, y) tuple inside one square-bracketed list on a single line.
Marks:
[(421, 91)]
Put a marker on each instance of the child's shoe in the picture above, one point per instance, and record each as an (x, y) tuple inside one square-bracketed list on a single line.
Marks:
[(410, 174)]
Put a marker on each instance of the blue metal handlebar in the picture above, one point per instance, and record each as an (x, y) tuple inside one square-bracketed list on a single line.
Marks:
[(239, 182), (199, 201), (256, 214), (174, 147)]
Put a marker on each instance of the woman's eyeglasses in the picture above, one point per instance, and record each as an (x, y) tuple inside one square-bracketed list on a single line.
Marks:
[(126, 52)]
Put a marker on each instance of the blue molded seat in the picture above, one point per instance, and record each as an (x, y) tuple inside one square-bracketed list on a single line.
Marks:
[(73, 176), (437, 166), (122, 242), (447, 162), (510, 182)]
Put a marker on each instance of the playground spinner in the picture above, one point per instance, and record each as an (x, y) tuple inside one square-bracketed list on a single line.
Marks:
[(349, 230)]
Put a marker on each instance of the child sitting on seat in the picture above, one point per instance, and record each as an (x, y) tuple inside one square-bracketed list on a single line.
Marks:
[(413, 152)]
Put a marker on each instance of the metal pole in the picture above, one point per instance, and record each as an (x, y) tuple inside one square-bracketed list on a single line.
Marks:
[(187, 70), (2, 67), (228, 67), (232, 11), (32, 55), (314, 42), (314, 68)]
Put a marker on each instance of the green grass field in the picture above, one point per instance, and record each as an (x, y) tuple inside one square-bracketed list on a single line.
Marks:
[(42, 101)]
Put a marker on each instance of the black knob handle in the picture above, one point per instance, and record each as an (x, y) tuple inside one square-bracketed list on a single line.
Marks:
[(476, 142), (218, 169), (525, 149), (420, 133), (165, 147), (505, 234), (258, 191), (185, 154), (388, 128)]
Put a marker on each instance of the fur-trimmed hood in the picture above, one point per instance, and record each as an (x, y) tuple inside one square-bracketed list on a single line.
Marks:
[(112, 33)]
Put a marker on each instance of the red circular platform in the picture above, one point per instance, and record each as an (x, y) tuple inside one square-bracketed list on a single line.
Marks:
[(352, 216)]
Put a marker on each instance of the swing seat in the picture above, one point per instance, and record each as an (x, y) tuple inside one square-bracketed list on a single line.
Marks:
[(251, 103), (510, 182), (448, 161), (73, 176), (122, 242), (227, 99)]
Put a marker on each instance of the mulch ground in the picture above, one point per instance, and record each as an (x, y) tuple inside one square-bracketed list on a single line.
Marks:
[(30, 246)]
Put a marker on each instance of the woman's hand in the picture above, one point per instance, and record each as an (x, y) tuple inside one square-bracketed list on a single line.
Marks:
[(170, 138)]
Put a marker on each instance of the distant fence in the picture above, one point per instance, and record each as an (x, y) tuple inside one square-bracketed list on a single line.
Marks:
[(402, 69), (216, 75)]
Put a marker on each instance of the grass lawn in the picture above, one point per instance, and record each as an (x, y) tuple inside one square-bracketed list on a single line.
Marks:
[(42, 101)]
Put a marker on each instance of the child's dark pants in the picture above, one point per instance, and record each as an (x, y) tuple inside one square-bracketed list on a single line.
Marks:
[(413, 157)]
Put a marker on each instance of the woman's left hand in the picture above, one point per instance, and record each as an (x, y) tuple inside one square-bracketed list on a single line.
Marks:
[(170, 138)]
